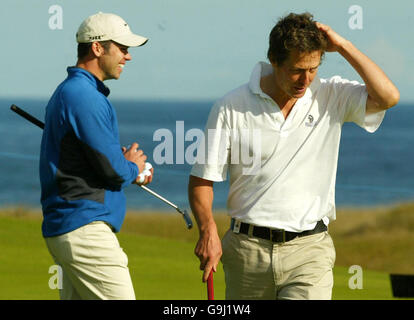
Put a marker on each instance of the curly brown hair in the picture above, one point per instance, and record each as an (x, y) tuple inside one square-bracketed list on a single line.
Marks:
[(295, 31)]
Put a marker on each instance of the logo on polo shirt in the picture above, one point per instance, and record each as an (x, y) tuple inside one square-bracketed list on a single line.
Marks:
[(311, 121)]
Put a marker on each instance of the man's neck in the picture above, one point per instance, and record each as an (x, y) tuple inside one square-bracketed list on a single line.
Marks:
[(269, 87), (89, 66)]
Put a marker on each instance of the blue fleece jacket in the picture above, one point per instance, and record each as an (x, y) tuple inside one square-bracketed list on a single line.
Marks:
[(82, 168)]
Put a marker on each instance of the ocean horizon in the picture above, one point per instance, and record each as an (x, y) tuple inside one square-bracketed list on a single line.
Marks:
[(373, 169)]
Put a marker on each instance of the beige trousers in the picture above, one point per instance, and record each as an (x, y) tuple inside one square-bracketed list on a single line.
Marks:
[(93, 264), (259, 269)]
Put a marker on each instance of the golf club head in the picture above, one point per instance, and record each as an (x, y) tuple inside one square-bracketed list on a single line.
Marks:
[(187, 218)]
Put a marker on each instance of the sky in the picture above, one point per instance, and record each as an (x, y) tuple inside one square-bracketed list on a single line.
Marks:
[(197, 50)]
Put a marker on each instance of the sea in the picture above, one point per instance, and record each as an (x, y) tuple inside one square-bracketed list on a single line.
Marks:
[(373, 169)]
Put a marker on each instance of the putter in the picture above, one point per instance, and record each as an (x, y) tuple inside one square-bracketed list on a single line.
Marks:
[(41, 125), (210, 286)]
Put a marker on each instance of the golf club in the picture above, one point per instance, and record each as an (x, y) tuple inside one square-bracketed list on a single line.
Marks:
[(210, 287), (41, 125)]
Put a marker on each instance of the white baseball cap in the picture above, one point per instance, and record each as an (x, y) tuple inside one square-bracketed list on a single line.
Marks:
[(108, 26)]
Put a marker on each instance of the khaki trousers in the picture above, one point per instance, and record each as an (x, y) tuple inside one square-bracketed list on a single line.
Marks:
[(93, 264), (259, 269)]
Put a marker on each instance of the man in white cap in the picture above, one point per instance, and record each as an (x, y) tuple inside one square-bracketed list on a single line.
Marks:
[(83, 169)]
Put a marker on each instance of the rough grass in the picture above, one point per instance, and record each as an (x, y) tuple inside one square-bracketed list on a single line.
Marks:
[(377, 239)]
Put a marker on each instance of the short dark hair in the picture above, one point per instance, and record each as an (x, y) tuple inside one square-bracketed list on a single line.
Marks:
[(295, 31), (83, 48)]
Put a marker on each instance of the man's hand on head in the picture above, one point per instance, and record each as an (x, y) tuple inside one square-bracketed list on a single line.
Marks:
[(335, 41)]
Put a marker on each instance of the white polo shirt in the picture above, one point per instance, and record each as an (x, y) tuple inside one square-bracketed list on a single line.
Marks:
[(289, 182)]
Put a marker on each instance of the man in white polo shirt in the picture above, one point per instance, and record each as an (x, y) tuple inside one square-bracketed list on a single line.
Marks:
[(287, 122)]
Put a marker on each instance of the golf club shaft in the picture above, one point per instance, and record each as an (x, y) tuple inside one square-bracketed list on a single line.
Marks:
[(41, 125), (159, 197), (27, 116)]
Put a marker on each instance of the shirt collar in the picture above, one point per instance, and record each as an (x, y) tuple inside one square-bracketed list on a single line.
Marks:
[(98, 84), (262, 69)]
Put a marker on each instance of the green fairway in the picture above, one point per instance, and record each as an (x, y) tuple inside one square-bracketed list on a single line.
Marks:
[(161, 268)]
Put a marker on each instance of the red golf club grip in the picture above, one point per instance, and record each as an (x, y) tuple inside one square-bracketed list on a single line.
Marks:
[(210, 287)]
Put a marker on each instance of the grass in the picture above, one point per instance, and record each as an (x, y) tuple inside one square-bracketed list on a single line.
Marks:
[(163, 266), (379, 239)]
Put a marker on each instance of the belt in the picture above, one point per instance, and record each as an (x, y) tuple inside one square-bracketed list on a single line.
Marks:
[(274, 235)]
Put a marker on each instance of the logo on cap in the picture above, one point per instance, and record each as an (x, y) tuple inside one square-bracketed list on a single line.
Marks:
[(95, 37)]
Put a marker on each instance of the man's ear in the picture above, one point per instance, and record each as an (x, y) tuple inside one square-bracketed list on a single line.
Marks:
[(272, 61), (97, 49), (274, 64)]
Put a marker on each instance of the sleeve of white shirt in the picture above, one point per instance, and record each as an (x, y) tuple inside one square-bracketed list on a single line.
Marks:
[(352, 98), (213, 153)]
